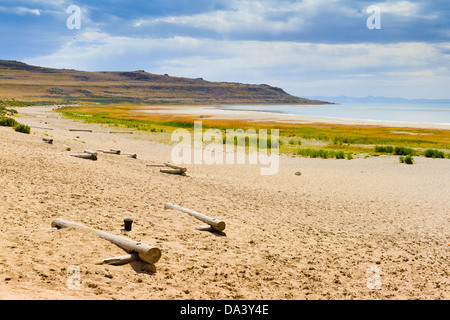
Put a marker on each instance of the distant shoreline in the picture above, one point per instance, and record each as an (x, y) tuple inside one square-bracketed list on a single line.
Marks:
[(221, 112)]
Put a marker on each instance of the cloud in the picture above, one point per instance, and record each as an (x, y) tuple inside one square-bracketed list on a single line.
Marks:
[(282, 63), (20, 10)]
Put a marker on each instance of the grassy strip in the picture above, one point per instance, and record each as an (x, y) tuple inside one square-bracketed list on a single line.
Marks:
[(333, 139)]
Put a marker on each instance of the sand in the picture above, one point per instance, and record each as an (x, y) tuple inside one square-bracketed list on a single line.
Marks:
[(324, 234)]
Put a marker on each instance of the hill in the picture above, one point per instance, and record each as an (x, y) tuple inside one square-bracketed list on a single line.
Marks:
[(21, 81)]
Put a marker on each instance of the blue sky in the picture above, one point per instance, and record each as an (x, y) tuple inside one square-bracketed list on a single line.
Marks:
[(307, 47)]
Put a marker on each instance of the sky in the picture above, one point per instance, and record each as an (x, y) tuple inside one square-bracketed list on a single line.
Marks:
[(308, 48)]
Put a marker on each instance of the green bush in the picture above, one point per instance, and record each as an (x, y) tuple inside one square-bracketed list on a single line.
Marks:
[(7, 122), (430, 153), (384, 149), (407, 160), (23, 128), (402, 151)]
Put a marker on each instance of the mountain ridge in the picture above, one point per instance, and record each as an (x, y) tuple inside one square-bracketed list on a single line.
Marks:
[(19, 80)]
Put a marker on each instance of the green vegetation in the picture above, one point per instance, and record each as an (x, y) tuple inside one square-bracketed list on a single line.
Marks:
[(402, 151), (324, 154), (23, 128), (384, 149), (430, 153), (407, 160), (10, 122), (7, 122), (307, 140)]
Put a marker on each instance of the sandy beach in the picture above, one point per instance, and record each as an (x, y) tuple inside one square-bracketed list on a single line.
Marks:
[(325, 234)]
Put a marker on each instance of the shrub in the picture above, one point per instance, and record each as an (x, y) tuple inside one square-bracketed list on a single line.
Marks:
[(430, 153), (407, 160), (384, 149), (340, 155), (402, 151), (23, 128), (7, 122)]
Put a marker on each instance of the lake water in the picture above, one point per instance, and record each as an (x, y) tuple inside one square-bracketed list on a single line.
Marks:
[(438, 113)]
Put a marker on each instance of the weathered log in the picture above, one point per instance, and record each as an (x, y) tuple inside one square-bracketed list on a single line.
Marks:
[(128, 132), (214, 223), (47, 140), (80, 130), (173, 171), (94, 153), (85, 156), (173, 166), (131, 155), (122, 259), (34, 127), (110, 151), (146, 253)]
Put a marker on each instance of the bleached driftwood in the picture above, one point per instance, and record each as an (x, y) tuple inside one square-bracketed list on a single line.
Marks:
[(80, 130), (85, 156), (91, 152), (43, 128), (173, 166), (128, 132), (111, 151), (214, 223), (145, 252), (122, 259), (173, 171), (131, 155), (47, 140)]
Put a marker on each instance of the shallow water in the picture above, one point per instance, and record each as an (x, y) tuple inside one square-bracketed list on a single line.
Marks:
[(438, 113)]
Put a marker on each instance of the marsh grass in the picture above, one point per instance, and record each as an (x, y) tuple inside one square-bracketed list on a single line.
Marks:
[(431, 153), (329, 138), (322, 153)]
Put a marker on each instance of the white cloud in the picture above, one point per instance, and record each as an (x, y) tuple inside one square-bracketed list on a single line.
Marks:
[(263, 16), (20, 10), (325, 67)]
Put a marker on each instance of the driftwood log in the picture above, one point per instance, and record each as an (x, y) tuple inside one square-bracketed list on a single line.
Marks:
[(43, 128), (173, 166), (111, 151), (131, 155), (173, 171), (122, 259), (85, 156), (80, 130), (214, 223), (145, 252), (47, 140)]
